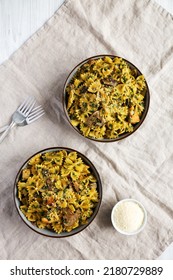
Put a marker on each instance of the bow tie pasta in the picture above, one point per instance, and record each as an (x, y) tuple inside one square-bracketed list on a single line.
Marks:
[(57, 191), (106, 98)]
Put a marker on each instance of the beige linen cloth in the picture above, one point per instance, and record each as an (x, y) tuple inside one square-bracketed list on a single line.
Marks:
[(138, 167)]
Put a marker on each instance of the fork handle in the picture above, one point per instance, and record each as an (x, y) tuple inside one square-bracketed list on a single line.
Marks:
[(12, 124), (2, 129)]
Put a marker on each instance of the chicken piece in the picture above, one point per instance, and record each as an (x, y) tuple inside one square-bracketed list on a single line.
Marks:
[(50, 200), (76, 186), (93, 185), (135, 118), (45, 220), (91, 61)]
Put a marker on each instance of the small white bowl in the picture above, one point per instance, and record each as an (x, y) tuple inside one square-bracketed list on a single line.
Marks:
[(113, 217)]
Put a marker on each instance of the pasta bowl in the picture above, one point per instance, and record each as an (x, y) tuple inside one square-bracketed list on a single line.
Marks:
[(105, 98), (57, 192)]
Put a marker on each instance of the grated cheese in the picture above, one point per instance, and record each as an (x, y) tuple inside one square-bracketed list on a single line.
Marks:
[(128, 216)]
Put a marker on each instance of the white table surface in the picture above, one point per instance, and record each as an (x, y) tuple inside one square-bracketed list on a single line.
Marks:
[(19, 19)]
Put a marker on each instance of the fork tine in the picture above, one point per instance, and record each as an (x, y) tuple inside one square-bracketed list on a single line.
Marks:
[(24, 103), (27, 109), (35, 110), (35, 113), (35, 117)]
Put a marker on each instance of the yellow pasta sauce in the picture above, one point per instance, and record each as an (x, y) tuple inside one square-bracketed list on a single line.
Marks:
[(57, 191), (106, 98)]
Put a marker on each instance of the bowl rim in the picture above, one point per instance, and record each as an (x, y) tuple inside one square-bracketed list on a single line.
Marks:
[(122, 136), (76, 230), (144, 221)]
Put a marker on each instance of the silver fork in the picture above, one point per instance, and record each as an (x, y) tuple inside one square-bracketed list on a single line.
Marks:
[(35, 114), (20, 115)]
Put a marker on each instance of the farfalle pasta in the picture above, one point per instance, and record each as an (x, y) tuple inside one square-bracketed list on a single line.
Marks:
[(57, 191), (106, 98)]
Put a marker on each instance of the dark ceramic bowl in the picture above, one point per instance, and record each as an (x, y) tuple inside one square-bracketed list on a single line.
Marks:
[(123, 135), (48, 232)]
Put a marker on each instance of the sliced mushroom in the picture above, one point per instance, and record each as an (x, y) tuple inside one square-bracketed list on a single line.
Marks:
[(95, 119), (109, 82), (70, 218)]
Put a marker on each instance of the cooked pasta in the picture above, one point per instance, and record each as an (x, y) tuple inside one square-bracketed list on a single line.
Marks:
[(105, 98), (57, 191)]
